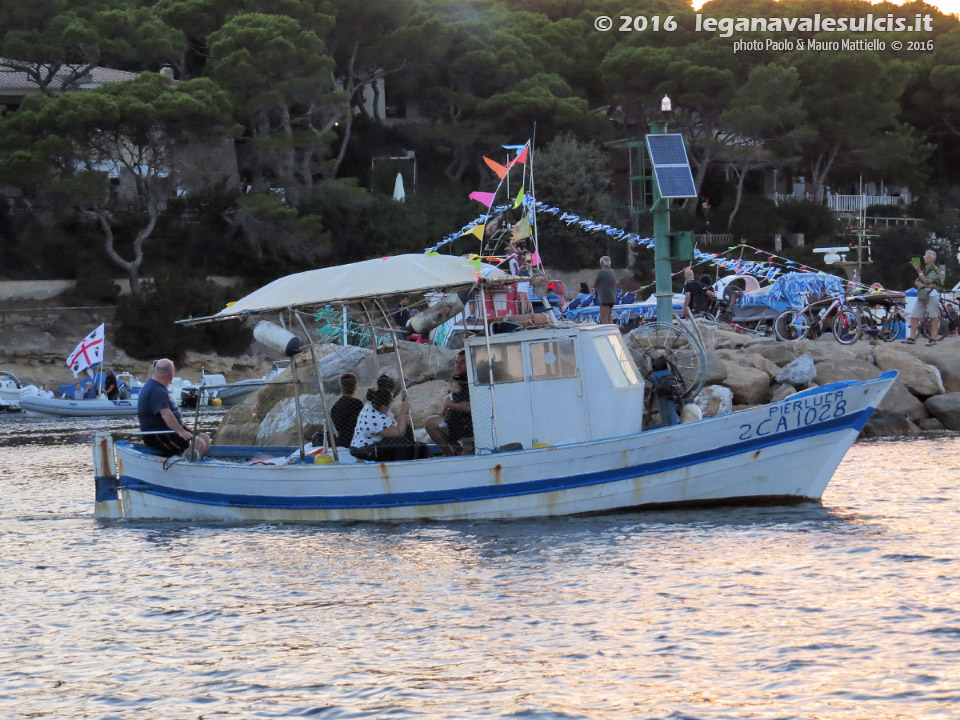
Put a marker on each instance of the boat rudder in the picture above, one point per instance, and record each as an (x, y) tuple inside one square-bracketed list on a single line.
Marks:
[(107, 499)]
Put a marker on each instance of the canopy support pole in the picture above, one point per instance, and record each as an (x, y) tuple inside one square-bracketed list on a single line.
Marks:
[(328, 439), (493, 398), (396, 350)]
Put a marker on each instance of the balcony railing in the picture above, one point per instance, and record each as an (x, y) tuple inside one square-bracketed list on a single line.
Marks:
[(856, 203)]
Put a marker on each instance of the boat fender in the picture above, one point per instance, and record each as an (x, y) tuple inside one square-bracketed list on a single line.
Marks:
[(436, 315), (277, 338)]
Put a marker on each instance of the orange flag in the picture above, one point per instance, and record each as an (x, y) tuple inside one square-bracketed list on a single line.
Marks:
[(499, 169)]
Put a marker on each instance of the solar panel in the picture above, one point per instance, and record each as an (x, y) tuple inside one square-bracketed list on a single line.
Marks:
[(671, 168)]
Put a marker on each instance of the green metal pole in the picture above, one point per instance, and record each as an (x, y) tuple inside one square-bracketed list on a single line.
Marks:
[(661, 248)]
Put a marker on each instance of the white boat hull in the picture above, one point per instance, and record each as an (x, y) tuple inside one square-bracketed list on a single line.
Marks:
[(782, 452), (61, 407)]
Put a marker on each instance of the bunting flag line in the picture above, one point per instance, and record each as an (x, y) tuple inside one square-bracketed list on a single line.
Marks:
[(476, 230)]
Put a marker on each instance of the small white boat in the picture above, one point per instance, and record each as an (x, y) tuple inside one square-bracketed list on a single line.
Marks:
[(557, 415), (10, 391), (64, 407)]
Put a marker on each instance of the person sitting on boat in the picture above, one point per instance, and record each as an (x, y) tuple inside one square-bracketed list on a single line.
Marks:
[(401, 316), (45, 391), (379, 435), (456, 422), (345, 410), (157, 414), (110, 386)]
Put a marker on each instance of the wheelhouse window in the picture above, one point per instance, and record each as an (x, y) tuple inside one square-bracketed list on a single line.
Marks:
[(505, 363), (553, 360)]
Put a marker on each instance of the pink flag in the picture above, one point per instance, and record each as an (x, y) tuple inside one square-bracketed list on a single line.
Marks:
[(535, 260), (482, 198)]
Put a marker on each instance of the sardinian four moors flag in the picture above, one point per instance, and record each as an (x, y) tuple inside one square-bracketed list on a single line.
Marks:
[(88, 353)]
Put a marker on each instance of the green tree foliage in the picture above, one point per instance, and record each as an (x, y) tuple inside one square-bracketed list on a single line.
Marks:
[(283, 86), (170, 298), (63, 150), (57, 42), (575, 177)]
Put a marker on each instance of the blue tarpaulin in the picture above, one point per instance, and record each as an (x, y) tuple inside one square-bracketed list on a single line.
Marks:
[(786, 290)]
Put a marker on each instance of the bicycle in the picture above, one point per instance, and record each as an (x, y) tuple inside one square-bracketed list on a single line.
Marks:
[(887, 327), (949, 320), (834, 315)]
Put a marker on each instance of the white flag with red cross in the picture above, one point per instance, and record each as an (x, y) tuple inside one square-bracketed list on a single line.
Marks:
[(88, 353)]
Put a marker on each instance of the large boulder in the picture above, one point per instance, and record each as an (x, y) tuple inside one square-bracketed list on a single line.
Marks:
[(885, 424), (798, 373), (715, 371), (780, 392), (829, 371), (779, 353), (715, 400), (749, 385), (279, 427), (945, 356), (946, 409), (426, 399), (919, 377), (240, 425)]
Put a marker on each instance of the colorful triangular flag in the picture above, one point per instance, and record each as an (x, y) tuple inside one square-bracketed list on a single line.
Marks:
[(484, 198), (519, 201), (499, 169)]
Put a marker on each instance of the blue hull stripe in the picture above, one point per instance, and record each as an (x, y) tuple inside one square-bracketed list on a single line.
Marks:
[(487, 492)]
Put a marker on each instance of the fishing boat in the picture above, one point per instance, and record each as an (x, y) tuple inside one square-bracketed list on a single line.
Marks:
[(563, 424)]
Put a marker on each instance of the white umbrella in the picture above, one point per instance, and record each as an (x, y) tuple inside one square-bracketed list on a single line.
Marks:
[(398, 194)]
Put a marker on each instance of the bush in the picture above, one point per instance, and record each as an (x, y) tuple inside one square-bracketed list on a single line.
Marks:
[(816, 222), (146, 325)]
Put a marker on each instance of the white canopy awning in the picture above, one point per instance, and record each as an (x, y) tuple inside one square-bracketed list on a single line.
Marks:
[(371, 278)]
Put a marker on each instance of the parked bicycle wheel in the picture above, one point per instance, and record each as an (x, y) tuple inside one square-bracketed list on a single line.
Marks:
[(891, 328), (792, 325), (942, 331), (846, 327)]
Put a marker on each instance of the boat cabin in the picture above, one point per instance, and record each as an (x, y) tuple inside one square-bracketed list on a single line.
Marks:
[(554, 386)]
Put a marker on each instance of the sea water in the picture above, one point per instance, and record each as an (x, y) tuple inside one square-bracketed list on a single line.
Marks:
[(849, 609)]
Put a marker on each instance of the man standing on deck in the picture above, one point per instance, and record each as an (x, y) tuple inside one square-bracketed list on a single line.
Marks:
[(605, 287), (157, 414)]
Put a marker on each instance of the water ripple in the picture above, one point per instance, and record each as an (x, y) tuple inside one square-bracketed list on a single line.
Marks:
[(846, 610)]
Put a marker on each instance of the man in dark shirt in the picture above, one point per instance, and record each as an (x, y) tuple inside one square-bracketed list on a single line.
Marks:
[(695, 297), (401, 316), (456, 423), (345, 410), (605, 286), (158, 414)]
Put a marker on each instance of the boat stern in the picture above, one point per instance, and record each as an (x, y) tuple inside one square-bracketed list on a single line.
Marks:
[(107, 502)]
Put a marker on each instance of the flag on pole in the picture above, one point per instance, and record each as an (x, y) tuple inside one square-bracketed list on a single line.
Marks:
[(519, 201), (499, 169), (88, 353)]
